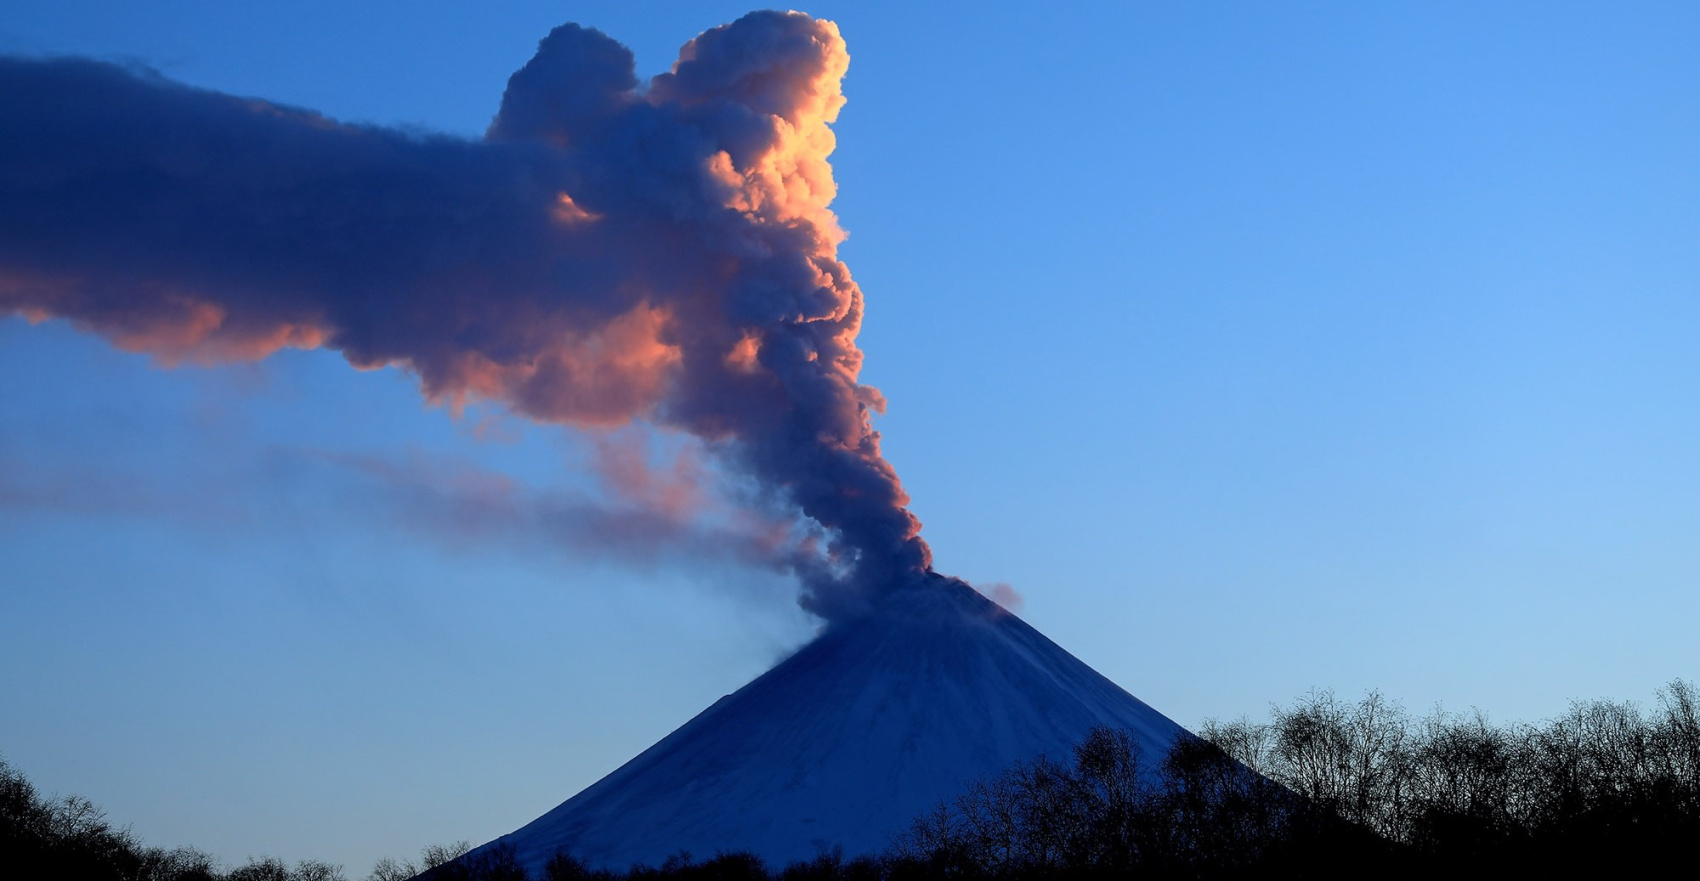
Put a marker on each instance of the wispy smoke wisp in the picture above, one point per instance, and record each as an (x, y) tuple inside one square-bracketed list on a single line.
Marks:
[(453, 502), (606, 253)]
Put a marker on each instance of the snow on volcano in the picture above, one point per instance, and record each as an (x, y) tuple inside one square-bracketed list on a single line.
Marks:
[(846, 742)]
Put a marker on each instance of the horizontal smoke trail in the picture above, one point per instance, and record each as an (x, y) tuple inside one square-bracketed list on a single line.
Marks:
[(666, 517), (605, 254)]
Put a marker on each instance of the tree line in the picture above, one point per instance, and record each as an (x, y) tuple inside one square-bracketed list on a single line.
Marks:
[(1324, 787), (1338, 788)]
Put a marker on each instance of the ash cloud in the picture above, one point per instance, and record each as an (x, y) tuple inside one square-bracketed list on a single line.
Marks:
[(672, 516), (1004, 594), (608, 252), (463, 505)]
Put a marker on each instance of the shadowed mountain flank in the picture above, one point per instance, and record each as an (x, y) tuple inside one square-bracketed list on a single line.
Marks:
[(844, 743)]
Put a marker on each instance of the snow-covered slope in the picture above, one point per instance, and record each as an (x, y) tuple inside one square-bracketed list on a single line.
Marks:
[(847, 741)]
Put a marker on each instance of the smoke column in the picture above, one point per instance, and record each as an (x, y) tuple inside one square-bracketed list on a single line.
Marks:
[(606, 253)]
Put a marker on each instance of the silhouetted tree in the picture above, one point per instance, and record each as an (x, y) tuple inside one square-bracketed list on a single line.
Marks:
[(565, 867), (274, 869)]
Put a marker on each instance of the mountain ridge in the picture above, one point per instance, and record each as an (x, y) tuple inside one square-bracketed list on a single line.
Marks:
[(848, 740)]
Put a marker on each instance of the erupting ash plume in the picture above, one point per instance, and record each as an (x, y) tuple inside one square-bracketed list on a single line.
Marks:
[(604, 254)]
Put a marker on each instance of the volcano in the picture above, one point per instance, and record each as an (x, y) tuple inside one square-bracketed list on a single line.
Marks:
[(846, 742)]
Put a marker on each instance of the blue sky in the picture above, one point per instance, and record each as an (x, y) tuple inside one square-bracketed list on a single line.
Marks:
[(1259, 348)]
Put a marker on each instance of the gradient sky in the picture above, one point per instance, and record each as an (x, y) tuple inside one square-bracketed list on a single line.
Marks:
[(1259, 348)]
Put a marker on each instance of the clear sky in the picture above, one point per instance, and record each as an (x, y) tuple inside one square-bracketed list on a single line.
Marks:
[(1261, 347)]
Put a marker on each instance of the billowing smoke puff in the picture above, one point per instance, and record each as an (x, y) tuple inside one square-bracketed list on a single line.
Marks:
[(604, 254)]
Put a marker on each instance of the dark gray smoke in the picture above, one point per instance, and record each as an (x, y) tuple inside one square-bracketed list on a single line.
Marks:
[(606, 253)]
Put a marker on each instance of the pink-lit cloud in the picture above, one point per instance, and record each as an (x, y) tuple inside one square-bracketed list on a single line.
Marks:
[(605, 254), (1003, 594)]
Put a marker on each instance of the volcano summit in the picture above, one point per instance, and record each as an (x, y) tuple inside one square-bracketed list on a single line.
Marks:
[(847, 741)]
